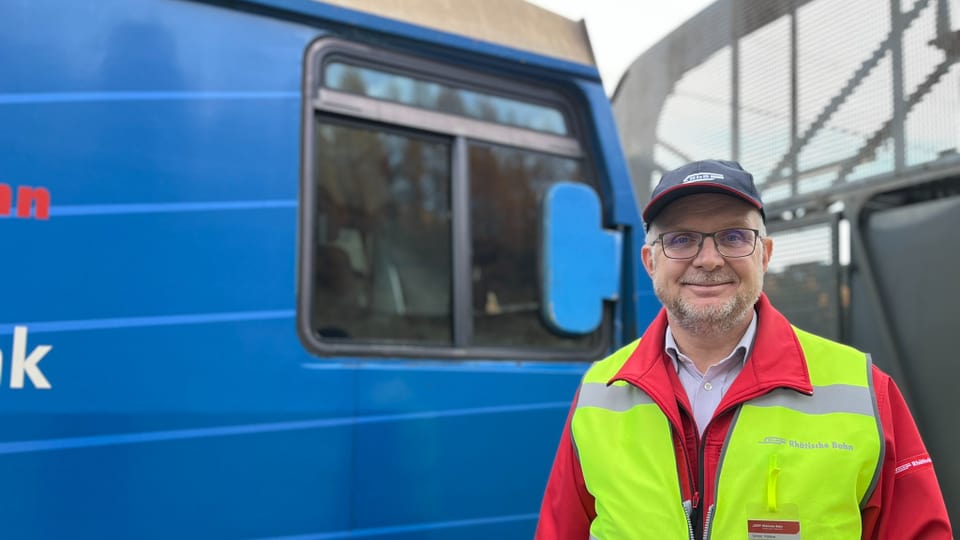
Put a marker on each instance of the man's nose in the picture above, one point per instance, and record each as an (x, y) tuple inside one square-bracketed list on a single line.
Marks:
[(709, 257)]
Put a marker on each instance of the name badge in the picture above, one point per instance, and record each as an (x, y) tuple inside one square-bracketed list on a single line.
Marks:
[(784, 524)]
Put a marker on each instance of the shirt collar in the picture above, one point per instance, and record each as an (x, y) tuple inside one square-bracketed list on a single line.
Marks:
[(745, 344)]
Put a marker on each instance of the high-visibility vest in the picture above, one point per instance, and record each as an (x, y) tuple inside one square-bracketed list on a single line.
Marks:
[(787, 458)]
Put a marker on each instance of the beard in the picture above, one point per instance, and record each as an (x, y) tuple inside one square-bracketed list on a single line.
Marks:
[(713, 319)]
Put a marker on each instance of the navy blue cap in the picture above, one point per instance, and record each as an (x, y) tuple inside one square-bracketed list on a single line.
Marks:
[(709, 176)]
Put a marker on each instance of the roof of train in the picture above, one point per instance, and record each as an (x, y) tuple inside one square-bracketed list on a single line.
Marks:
[(512, 23)]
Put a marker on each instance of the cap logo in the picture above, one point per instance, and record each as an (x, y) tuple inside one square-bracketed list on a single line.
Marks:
[(701, 177)]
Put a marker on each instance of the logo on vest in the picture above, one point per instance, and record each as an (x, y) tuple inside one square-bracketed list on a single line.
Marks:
[(808, 445), (773, 440)]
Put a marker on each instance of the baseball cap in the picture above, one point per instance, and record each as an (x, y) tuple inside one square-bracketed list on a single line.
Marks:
[(708, 176)]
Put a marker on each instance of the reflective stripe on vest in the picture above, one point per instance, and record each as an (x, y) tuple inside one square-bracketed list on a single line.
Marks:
[(819, 453)]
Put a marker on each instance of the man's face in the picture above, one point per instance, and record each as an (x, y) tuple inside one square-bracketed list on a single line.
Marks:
[(709, 293)]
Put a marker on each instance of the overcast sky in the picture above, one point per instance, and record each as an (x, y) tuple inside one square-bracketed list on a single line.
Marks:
[(622, 29)]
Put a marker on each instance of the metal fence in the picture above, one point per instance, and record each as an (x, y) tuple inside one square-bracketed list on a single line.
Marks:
[(815, 97)]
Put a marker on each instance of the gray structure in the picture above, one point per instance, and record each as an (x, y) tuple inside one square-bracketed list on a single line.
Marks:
[(810, 94), (848, 114)]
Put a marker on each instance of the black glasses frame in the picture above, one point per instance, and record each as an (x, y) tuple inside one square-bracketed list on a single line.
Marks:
[(703, 238)]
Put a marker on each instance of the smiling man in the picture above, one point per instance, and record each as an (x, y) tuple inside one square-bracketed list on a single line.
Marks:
[(724, 421)]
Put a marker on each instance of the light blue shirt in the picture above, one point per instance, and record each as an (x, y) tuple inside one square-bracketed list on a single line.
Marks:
[(705, 390)]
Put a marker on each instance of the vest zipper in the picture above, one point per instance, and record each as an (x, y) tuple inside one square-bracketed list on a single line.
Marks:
[(703, 525), (693, 512), (699, 523), (705, 533), (693, 515), (706, 528)]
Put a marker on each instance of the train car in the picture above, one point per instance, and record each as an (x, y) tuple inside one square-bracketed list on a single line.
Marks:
[(298, 269)]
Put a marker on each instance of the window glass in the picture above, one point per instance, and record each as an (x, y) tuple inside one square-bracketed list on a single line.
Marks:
[(394, 151), (382, 263), (407, 90), (506, 188)]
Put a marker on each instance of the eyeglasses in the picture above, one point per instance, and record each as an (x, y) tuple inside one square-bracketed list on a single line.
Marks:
[(731, 243)]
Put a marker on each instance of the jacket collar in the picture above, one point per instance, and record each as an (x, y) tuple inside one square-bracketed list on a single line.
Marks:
[(775, 361)]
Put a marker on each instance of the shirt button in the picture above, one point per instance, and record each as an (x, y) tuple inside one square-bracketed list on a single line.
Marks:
[(707, 386)]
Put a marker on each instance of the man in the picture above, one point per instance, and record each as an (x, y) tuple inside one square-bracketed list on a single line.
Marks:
[(725, 422)]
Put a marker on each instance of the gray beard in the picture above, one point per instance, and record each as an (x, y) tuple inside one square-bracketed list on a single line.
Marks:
[(711, 320)]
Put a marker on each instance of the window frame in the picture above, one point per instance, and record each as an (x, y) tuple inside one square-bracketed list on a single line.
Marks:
[(352, 110)]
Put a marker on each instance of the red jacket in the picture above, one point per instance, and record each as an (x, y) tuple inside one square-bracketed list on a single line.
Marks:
[(906, 504)]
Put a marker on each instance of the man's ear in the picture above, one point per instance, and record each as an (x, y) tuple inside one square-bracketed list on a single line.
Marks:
[(767, 251), (647, 254)]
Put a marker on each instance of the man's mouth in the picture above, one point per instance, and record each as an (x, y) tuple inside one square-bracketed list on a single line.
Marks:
[(708, 283)]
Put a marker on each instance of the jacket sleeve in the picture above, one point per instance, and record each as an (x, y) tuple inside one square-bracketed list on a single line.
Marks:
[(568, 508), (907, 503)]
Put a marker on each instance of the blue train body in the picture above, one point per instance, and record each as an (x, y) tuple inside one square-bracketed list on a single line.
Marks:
[(155, 282)]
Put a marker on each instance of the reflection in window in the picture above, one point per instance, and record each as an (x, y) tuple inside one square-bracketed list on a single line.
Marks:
[(382, 268), (506, 187), (403, 89)]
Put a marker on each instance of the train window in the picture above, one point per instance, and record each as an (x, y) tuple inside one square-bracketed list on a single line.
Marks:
[(506, 187), (405, 89), (419, 218), (382, 262)]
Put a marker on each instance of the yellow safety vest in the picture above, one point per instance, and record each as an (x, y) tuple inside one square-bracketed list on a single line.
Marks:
[(788, 457)]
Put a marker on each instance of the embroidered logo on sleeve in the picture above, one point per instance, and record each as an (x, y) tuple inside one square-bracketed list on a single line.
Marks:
[(907, 465)]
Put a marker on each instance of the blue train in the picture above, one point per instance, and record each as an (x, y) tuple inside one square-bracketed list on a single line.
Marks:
[(298, 269)]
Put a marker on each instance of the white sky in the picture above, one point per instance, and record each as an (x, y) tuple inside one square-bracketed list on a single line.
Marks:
[(622, 29)]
